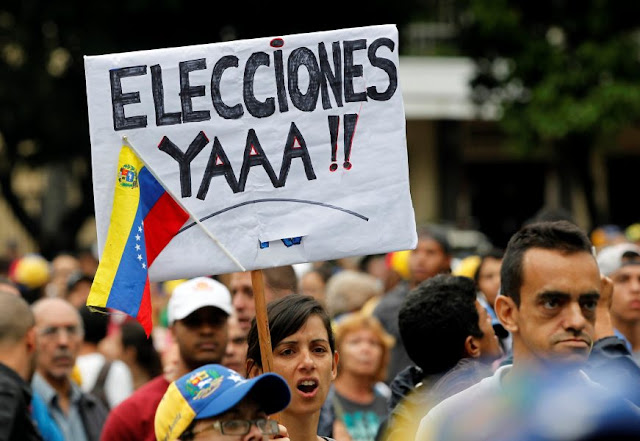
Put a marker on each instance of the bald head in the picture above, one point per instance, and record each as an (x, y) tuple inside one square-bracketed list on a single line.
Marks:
[(15, 318), (49, 306), (7, 286)]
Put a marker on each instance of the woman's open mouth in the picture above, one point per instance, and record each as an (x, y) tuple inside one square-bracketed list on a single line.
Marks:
[(308, 387)]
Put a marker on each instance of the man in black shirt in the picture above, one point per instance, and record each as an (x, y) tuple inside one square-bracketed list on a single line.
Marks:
[(17, 352)]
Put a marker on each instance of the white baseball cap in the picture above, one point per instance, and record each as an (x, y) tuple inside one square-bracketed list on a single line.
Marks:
[(613, 257), (197, 293)]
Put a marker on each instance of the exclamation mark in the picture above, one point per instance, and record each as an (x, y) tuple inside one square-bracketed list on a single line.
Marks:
[(350, 121), (334, 124)]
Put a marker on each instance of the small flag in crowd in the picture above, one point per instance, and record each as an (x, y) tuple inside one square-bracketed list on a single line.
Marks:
[(144, 219)]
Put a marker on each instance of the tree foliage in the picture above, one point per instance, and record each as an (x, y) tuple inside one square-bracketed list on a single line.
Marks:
[(565, 74)]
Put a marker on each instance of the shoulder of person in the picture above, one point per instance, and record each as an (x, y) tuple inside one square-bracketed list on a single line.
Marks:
[(120, 423), (462, 400)]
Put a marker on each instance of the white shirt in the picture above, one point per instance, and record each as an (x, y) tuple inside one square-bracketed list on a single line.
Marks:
[(118, 384)]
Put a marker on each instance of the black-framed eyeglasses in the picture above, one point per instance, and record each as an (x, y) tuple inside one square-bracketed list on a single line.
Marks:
[(242, 427)]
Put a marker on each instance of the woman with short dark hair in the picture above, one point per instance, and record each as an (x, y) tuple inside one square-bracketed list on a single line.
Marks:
[(304, 354)]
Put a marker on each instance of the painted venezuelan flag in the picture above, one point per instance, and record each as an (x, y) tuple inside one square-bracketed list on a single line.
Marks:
[(144, 219)]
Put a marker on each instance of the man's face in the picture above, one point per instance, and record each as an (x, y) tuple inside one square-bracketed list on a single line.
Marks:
[(558, 298), (242, 298), (201, 336), (625, 305), (427, 260), (59, 337), (489, 345), (235, 356)]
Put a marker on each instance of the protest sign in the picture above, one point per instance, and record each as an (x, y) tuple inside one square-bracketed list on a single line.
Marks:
[(288, 149)]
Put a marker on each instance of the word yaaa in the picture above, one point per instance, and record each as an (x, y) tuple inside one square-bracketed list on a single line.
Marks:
[(219, 164)]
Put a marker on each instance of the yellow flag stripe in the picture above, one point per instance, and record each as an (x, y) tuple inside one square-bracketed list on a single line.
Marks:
[(125, 205)]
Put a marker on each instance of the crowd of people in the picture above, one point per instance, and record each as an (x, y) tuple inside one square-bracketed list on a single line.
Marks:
[(539, 340)]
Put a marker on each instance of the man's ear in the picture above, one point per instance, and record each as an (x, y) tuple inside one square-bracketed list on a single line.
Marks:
[(334, 367), (507, 312), (30, 340), (472, 347), (253, 370)]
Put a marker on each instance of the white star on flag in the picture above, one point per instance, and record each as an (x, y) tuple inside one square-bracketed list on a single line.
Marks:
[(137, 247), (144, 266), (140, 229), (139, 256), (137, 237)]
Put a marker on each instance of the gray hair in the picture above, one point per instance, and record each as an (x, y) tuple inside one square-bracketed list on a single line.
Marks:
[(349, 290)]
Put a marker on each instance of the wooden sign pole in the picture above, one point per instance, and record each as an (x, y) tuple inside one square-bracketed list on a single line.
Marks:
[(262, 321)]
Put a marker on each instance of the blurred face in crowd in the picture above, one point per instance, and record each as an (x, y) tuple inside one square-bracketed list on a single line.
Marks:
[(312, 284), (489, 344), (62, 267), (625, 305), (235, 356), (79, 293), (306, 361), (558, 298), (59, 337), (489, 278), (201, 336), (241, 290), (427, 260), (361, 353)]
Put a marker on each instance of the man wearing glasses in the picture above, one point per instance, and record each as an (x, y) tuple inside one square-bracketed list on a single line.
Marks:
[(73, 414), (216, 403)]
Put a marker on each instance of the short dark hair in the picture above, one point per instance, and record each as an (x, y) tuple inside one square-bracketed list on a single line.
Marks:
[(437, 234), (16, 318), (286, 316), (132, 334), (436, 318), (561, 235), (96, 324)]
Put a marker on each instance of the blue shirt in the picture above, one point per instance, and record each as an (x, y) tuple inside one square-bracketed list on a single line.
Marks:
[(624, 339), (69, 424)]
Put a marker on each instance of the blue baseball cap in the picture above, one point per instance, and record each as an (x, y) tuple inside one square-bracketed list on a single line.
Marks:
[(212, 390)]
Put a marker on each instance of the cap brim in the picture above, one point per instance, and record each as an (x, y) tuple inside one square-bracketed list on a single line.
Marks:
[(271, 392), (186, 312)]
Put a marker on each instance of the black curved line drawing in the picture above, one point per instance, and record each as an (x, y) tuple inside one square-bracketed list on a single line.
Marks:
[(300, 201)]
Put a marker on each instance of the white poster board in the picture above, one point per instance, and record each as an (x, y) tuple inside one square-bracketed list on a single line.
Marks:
[(289, 149)]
